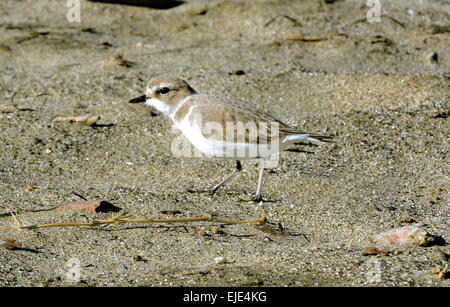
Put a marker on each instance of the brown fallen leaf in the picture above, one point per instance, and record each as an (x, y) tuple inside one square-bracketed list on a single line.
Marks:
[(305, 38), (201, 233), (90, 206), (170, 212), (11, 244)]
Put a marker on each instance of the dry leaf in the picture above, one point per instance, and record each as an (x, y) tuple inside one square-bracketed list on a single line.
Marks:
[(201, 233), (11, 244)]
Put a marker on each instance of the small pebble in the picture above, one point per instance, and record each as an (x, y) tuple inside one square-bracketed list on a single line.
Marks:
[(441, 271), (404, 235), (370, 251), (219, 260)]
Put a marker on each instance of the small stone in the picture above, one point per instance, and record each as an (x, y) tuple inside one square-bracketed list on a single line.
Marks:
[(371, 251), (437, 269), (219, 260), (441, 271), (403, 235)]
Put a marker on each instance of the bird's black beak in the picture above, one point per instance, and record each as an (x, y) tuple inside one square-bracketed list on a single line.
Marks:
[(142, 98)]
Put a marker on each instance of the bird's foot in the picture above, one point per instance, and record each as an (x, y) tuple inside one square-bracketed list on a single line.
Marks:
[(255, 199)]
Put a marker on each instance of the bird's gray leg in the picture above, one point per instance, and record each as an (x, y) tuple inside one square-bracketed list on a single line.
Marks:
[(228, 178), (258, 189)]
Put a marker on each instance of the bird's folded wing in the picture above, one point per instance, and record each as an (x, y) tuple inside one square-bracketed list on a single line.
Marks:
[(233, 122)]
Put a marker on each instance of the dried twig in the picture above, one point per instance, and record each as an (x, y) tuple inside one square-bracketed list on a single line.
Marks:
[(295, 21), (382, 16), (119, 219), (85, 119)]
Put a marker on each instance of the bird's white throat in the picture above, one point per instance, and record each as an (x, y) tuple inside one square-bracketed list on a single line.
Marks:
[(165, 108)]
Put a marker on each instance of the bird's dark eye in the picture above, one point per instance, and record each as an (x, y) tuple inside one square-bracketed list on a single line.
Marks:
[(164, 90)]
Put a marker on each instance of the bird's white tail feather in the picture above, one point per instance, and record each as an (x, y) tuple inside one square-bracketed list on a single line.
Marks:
[(294, 138)]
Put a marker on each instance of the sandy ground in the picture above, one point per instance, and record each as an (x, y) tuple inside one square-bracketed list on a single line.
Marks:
[(376, 87)]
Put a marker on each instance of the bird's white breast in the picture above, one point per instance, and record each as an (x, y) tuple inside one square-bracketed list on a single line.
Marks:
[(193, 127)]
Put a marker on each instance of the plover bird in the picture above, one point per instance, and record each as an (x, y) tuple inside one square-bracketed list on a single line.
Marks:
[(222, 128)]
